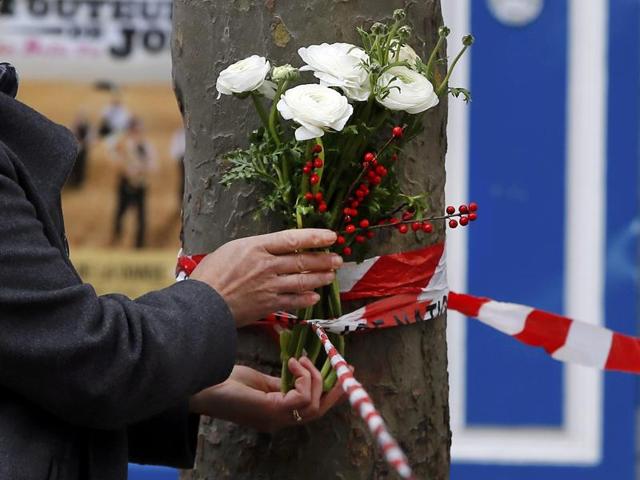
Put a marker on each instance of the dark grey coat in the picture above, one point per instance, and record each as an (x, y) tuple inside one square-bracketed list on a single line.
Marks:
[(88, 382)]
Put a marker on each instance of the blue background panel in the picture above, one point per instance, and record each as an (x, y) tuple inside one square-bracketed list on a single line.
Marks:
[(145, 472), (517, 175), (622, 224)]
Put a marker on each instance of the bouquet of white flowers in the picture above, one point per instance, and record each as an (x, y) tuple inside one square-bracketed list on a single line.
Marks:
[(335, 168)]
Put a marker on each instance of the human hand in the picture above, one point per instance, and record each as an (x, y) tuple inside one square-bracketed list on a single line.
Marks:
[(253, 399), (260, 275)]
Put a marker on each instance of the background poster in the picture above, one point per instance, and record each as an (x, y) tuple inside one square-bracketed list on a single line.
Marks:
[(95, 67)]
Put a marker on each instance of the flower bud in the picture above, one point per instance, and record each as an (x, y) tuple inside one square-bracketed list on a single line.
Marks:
[(405, 32), (375, 67), (444, 31), (378, 28), (284, 73), (468, 40), (399, 14)]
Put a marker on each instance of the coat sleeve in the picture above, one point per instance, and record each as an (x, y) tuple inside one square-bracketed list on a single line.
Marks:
[(101, 362), (169, 438)]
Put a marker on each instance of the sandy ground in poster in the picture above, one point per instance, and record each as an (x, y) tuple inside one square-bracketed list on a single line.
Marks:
[(89, 210)]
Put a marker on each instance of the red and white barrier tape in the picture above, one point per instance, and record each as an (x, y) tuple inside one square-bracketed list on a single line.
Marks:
[(414, 287), (361, 402), (561, 337)]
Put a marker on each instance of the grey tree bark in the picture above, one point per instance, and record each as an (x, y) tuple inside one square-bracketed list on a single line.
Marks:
[(404, 369)]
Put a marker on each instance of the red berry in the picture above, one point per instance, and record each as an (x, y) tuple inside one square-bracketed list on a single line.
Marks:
[(473, 216), (369, 157), (397, 132), (403, 228), (464, 221), (380, 170), (350, 228), (394, 157), (363, 187), (451, 210), (354, 204), (427, 227), (317, 148), (361, 239), (319, 197), (473, 207), (306, 169), (347, 218), (453, 223), (393, 220), (308, 197), (371, 174), (415, 226), (346, 211), (318, 163), (463, 209), (377, 180), (364, 223), (370, 234), (374, 162), (346, 251), (383, 221), (407, 215), (365, 165), (322, 207), (360, 194), (314, 179), (384, 172), (340, 240)]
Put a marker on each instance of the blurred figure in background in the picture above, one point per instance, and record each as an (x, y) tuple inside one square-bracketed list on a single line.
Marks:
[(135, 159), (114, 118), (82, 130), (178, 147)]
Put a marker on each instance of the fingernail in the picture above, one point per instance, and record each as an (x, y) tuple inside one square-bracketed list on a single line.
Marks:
[(337, 261), (315, 297), (329, 236)]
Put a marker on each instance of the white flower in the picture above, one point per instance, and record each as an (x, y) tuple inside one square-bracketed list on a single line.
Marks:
[(316, 108), (338, 65), (245, 76), (407, 54), (408, 91)]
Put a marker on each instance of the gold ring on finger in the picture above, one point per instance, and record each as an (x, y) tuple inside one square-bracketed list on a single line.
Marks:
[(296, 416)]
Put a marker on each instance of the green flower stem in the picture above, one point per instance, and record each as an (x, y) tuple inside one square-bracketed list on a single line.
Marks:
[(286, 378), (261, 111), (314, 345), (334, 298), (330, 381), (313, 348), (433, 56), (326, 368), (273, 113), (443, 86), (285, 340)]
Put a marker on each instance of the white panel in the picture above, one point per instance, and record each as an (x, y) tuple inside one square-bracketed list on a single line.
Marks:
[(579, 442)]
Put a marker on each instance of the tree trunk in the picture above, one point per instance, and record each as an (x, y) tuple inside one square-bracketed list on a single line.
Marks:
[(404, 369)]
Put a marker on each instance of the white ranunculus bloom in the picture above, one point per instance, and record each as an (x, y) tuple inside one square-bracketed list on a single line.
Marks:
[(245, 76), (316, 108), (409, 91), (338, 65), (407, 54)]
